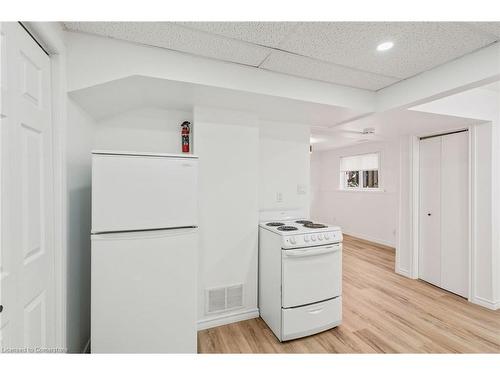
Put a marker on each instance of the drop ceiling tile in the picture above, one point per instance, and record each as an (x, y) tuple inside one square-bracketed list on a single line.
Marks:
[(492, 28), (175, 37), (305, 67), (418, 46), (269, 34)]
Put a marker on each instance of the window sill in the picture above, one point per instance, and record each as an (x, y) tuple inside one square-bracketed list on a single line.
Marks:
[(378, 190)]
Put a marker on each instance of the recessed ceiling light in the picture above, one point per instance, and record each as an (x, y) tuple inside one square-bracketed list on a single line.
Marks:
[(385, 46)]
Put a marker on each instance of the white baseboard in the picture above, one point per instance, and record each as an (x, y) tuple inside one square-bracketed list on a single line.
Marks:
[(227, 318), (371, 239), (404, 273), (485, 303), (86, 348)]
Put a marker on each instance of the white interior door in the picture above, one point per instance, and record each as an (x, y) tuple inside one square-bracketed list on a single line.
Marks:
[(444, 215), (429, 260), (27, 220)]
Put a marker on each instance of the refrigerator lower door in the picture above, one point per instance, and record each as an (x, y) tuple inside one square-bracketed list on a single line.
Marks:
[(144, 292)]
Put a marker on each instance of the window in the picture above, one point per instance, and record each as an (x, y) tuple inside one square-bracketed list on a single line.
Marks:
[(359, 172)]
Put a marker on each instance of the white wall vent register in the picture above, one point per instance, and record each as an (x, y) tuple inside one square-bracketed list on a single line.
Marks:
[(224, 298), (216, 300)]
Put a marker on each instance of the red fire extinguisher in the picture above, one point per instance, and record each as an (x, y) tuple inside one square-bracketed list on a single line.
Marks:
[(185, 129)]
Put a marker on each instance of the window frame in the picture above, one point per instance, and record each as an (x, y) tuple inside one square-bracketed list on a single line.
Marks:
[(343, 175)]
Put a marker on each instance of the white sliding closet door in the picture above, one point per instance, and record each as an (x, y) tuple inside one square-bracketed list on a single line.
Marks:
[(455, 213), (443, 237), (429, 260)]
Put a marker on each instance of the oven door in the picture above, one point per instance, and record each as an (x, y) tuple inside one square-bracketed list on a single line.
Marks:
[(311, 274)]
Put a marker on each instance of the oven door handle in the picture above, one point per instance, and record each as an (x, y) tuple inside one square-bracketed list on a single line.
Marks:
[(312, 251)]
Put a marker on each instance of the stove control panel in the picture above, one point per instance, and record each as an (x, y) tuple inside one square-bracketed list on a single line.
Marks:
[(311, 239)]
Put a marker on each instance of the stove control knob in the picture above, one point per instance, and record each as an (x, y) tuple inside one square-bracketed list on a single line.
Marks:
[(292, 241), (313, 237), (306, 238), (320, 236), (327, 236)]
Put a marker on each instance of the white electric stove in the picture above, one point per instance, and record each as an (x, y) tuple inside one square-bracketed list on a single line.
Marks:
[(300, 274)]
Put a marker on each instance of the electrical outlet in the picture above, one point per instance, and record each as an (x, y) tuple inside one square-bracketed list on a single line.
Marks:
[(279, 197), (301, 189)]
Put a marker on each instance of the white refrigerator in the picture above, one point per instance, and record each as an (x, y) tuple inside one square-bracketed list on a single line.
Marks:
[(144, 251)]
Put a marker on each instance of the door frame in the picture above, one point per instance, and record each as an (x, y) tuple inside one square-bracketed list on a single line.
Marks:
[(415, 206), (50, 36)]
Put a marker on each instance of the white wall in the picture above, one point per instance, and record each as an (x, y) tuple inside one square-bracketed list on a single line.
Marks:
[(244, 162), (144, 129), (80, 138), (407, 230), (227, 144), (486, 252), (369, 215), (496, 209), (284, 166), (483, 239), (475, 104), (495, 264)]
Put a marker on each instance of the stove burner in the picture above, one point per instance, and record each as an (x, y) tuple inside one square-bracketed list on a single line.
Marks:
[(287, 228), (275, 224), (314, 225), (303, 222)]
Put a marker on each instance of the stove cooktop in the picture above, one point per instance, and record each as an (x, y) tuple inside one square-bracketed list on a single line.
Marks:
[(287, 228), (303, 221), (315, 225), (296, 226), (275, 224)]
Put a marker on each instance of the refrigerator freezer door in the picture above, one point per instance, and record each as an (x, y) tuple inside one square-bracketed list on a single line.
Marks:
[(133, 192), (143, 296)]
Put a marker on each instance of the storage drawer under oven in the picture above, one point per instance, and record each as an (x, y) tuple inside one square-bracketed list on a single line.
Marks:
[(308, 320)]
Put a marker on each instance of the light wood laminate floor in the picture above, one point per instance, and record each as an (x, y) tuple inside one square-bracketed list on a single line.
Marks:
[(382, 313)]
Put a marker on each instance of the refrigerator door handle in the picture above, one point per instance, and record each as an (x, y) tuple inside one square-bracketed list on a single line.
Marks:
[(150, 233), (144, 230)]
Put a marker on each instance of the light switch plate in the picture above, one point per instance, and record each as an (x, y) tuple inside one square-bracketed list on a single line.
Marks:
[(279, 197)]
